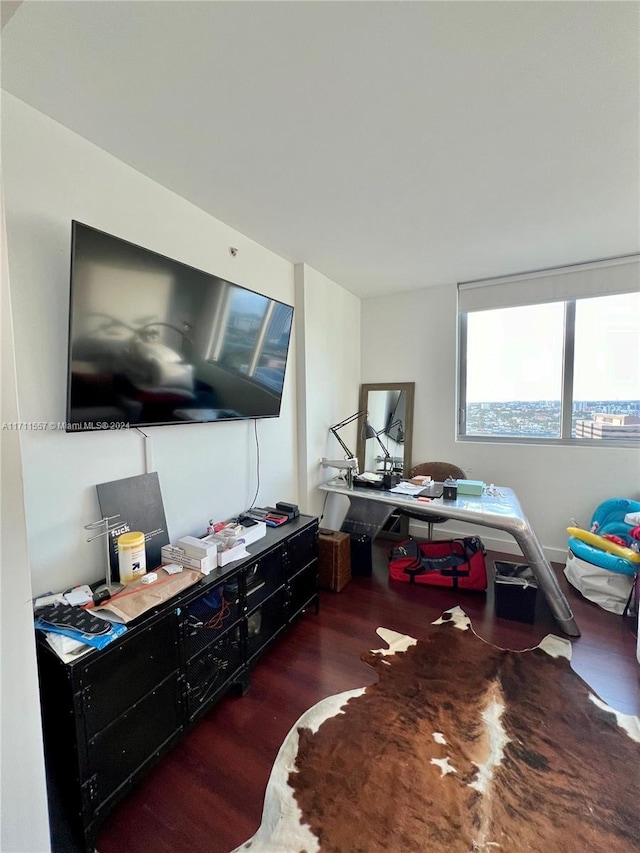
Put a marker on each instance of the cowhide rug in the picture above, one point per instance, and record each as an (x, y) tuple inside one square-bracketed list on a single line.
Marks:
[(459, 746)]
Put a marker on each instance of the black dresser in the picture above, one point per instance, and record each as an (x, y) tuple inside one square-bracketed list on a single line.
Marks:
[(111, 714)]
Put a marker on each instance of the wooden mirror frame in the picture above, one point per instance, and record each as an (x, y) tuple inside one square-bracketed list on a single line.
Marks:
[(409, 389)]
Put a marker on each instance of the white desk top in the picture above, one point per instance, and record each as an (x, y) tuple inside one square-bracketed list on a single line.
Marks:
[(500, 509)]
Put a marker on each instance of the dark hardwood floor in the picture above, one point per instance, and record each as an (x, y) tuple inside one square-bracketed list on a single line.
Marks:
[(206, 795)]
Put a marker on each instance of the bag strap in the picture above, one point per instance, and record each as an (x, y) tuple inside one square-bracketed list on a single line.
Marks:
[(413, 571), (453, 565)]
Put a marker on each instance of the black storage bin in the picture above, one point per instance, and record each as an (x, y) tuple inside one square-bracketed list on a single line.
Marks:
[(361, 556), (515, 589)]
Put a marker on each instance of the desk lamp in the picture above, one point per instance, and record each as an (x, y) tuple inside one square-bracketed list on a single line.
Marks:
[(350, 463), (387, 461), (370, 432)]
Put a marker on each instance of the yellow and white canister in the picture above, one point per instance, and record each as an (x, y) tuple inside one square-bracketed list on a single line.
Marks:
[(132, 560)]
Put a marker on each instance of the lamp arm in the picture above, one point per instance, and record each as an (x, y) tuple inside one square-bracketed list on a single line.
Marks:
[(384, 449), (397, 422), (334, 430), (349, 420), (341, 442)]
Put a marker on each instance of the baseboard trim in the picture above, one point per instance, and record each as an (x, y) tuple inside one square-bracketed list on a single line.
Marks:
[(492, 539)]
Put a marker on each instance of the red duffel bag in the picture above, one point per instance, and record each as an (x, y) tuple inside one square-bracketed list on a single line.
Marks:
[(455, 563)]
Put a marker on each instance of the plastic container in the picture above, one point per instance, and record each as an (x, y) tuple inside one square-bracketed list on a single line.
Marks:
[(132, 560)]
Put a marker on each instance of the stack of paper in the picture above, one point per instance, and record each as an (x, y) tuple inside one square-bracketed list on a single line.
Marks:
[(405, 488)]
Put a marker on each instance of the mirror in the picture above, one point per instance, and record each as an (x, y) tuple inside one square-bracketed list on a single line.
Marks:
[(390, 408)]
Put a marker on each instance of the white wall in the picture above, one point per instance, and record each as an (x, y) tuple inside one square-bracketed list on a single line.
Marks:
[(23, 801), (51, 177), (329, 382), (554, 484)]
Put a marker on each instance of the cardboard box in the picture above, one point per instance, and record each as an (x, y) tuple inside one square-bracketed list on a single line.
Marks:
[(470, 487)]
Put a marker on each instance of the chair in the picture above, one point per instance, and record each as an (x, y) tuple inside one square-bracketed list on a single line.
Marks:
[(439, 472)]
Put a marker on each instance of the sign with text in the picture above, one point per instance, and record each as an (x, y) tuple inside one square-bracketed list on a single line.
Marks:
[(138, 503)]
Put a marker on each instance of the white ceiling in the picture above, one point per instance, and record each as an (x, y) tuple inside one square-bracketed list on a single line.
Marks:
[(390, 145)]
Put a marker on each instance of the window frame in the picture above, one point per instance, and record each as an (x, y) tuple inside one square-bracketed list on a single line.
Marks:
[(566, 399)]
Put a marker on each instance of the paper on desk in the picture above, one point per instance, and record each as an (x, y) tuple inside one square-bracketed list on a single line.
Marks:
[(370, 477), (405, 488)]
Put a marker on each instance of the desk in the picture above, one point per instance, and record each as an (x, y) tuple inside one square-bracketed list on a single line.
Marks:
[(370, 508)]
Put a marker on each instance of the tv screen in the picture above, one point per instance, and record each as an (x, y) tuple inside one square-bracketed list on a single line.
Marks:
[(153, 341)]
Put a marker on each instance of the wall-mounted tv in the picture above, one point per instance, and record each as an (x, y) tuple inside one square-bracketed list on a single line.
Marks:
[(153, 341)]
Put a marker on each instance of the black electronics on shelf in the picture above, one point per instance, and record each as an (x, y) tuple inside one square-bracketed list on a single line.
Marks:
[(291, 510), (271, 516)]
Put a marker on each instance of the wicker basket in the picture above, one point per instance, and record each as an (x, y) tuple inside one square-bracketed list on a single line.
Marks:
[(334, 556)]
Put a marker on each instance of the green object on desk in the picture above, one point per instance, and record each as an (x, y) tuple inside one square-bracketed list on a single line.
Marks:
[(470, 487)]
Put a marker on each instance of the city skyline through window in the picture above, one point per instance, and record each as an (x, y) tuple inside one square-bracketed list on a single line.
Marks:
[(514, 377)]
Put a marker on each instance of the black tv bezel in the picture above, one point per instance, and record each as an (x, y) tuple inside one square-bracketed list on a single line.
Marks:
[(71, 427)]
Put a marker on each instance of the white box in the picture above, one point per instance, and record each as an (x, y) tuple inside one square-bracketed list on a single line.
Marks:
[(173, 554), (253, 533), (229, 553), (197, 548)]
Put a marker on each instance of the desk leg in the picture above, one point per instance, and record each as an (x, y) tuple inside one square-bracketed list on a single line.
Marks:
[(547, 581)]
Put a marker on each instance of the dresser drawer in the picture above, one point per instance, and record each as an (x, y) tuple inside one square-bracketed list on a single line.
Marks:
[(209, 616), (264, 577), (125, 672), (124, 747), (265, 622), (212, 669), (302, 588), (301, 549)]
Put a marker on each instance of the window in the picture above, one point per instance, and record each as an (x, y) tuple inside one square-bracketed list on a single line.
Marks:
[(552, 356)]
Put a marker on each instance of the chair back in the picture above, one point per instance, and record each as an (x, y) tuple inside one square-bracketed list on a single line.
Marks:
[(438, 471)]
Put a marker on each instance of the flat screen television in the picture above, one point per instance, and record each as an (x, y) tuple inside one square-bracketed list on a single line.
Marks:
[(153, 341)]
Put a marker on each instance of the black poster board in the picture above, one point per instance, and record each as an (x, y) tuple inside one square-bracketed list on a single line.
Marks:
[(138, 502)]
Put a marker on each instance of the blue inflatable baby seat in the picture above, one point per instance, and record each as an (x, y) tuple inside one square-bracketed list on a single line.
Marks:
[(609, 518)]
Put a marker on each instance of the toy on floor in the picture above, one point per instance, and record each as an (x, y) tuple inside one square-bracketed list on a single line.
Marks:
[(612, 545), (600, 545)]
